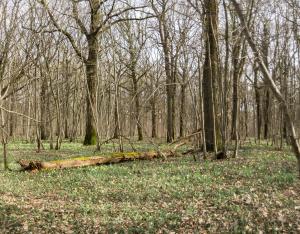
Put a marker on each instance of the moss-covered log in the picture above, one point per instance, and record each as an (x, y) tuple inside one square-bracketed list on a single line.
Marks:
[(31, 165)]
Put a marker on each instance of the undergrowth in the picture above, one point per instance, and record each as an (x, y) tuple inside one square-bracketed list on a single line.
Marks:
[(256, 192)]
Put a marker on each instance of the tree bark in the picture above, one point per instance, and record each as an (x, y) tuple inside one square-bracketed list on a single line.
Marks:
[(116, 118), (210, 71), (170, 80), (43, 108), (258, 103), (182, 109), (236, 60), (137, 104), (91, 78), (153, 117), (28, 165), (267, 107)]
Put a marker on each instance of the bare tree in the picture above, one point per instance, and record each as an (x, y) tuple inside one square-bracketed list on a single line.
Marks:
[(102, 15), (273, 86)]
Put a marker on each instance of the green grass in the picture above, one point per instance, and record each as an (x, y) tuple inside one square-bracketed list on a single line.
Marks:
[(258, 191)]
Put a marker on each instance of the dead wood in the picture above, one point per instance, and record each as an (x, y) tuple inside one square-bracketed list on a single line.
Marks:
[(187, 137), (33, 165)]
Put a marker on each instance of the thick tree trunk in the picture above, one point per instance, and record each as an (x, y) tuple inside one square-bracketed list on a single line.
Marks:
[(91, 78), (210, 71), (28, 165)]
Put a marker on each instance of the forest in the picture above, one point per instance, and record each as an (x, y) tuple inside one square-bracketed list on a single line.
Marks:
[(149, 116)]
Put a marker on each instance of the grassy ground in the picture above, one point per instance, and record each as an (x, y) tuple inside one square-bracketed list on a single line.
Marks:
[(259, 191)]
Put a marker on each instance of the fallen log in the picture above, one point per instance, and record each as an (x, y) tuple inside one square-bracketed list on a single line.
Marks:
[(33, 165)]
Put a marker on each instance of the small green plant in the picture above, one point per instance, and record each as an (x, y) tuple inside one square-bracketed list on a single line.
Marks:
[(176, 195)]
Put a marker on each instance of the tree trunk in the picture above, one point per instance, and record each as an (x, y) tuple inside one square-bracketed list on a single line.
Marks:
[(170, 111), (91, 78), (12, 117), (116, 118), (166, 41), (153, 117), (4, 140), (137, 104), (236, 60), (43, 108), (267, 114), (182, 110), (265, 55), (246, 116), (225, 84), (4, 144), (67, 105), (94, 161), (210, 71), (258, 103)]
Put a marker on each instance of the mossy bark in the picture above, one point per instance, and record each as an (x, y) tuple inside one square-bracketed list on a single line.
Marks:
[(90, 138), (28, 165)]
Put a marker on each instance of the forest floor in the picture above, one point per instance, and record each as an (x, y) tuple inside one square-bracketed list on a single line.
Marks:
[(257, 192)]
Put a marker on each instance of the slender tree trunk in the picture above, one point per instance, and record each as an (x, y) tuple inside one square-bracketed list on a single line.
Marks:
[(67, 105), (4, 140), (225, 84), (43, 98), (50, 125), (12, 118), (182, 109), (236, 80), (154, 87), (28, 120), (137, 105), (108, 111), (4, 144), (258, 104), (116, 119), (267, 114), (246, 116), (166, 45), (170, 123), (153, 117), (267, 107), (202, 110), (36, 114)]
